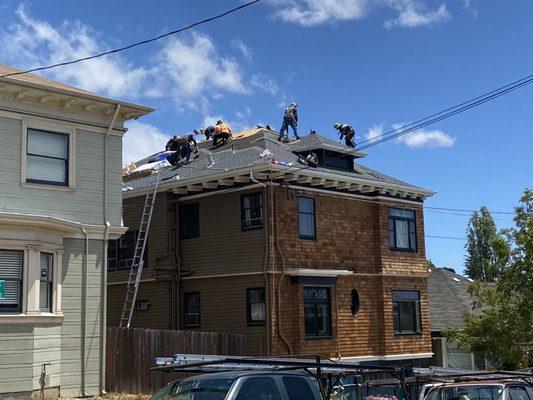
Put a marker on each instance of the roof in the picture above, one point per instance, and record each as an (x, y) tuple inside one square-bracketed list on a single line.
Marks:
[(255, 148), (35, 81), (449, 299), (314, 141)]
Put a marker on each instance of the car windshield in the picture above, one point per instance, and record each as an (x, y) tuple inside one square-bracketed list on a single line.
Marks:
[(472, 392), (201, 389)]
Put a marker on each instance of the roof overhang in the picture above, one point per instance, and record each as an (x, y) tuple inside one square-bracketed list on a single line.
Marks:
[(322, 272)]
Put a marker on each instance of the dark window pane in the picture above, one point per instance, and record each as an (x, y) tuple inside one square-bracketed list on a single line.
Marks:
[(317, 311), (11, 263), (396, 317), (406, 311), (298, 389), (402, 229), (191, 310), (518, 393), (202, 389), (306, 217), (258, 389), (355, 302), (310, 319), (251, 211), (255, 306), (189, 223)]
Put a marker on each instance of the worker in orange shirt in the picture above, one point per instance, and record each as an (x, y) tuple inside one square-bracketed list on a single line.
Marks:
[(222, 133)]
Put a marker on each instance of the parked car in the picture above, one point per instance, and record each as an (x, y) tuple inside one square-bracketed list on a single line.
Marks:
[(476, 390), (243, 385)]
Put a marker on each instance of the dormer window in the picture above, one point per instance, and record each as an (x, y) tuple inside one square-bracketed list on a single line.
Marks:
[(336, 160)]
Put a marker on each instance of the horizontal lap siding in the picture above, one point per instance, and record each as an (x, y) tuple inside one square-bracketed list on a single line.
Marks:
[(16, 355)]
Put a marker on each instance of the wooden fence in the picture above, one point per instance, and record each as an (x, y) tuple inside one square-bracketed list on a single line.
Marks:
[(130, 353)]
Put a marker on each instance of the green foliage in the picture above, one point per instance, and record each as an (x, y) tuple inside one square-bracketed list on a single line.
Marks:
[(485, 248), (501, 324), (430, 264)]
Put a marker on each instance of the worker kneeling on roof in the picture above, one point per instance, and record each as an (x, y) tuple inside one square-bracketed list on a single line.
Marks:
[(346, 132), (222, 133)]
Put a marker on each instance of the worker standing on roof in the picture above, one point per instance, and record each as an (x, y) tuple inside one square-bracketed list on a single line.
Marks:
[(222, 133), (290, 118), (346, 132)]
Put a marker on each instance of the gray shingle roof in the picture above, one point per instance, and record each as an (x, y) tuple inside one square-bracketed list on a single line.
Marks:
[(449, 299), (315, 141), (244, 151)]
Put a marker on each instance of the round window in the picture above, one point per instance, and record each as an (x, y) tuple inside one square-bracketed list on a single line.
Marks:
[(355, 302)]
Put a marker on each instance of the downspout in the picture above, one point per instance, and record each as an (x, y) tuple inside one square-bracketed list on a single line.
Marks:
[(103, 282), (84, 277), (265, 262)]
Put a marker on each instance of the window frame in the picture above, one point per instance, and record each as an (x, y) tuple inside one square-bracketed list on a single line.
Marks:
[(181, 211), (245, 227), (315, 335), (49, 282), (18, 309), (412, 247), (300, 235), (116, 245), (249, 303), (55, 128), (397, 330), (186, 307)]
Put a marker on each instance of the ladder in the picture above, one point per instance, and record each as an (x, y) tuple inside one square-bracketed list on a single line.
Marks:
[(138, 255)]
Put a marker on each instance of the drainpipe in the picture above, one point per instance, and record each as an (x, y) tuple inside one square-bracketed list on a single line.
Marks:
[(103, 281), (265, 262), (84, 311)]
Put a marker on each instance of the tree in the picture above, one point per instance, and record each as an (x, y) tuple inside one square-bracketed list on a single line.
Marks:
[(500, 325), (431, 264), (482, 237)]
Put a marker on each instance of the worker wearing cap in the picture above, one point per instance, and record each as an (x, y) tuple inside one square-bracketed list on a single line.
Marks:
[(346, 132), (173, 144), (290, 118), (222, 133)]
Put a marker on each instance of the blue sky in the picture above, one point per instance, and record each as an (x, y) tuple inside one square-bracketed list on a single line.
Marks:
[(371, 63)]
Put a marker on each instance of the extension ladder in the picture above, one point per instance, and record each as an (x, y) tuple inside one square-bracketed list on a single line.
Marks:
[(138, 255)]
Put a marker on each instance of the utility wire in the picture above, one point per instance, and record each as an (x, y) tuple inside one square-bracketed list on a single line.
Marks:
[(445, 237), (130, 46), (466, 210)]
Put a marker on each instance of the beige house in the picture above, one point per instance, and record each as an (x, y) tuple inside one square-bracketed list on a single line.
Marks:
[(60, 202)]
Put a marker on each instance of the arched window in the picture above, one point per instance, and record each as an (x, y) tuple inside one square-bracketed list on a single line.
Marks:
[(355, 303)]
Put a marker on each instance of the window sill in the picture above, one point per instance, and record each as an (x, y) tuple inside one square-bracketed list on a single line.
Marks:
[(318, 337), (402, 250), (307, 237), (251, 228), (253, 324), (42, 318), (32, 185), (400, 334)]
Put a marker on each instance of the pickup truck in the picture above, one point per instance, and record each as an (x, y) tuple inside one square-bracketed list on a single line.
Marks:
[(504, 389), (243, 385)]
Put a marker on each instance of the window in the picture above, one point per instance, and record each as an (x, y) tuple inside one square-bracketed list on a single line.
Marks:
[(317, 312), (200, 389), (252, 211), (143, 305), (406, 311), (120, 252), (402, 229), (518, 393), (46, 282), (306, 218), (338, 161), (47, 157), (355, 303), (258, 389), (255, 306), (189, 221), (11, 263), (191, 310), (298, 388)]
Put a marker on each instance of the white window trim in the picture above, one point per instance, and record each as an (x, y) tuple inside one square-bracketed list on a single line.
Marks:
[(31, 312), (28, 123)]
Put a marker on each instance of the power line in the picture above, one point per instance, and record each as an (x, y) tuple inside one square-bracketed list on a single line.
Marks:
[(445, 237), (466, 210), (130, 46)]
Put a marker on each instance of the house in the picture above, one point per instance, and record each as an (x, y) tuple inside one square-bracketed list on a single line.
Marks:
[(449, 301), (60, 202), (302, 260)]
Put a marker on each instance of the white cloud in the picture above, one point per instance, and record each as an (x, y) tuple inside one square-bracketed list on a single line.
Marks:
[(316, 12), (374, 132), (265, 83), (246, 52), (31, 42), (193, 71), (426, 138), (414, 13), (141, 140)]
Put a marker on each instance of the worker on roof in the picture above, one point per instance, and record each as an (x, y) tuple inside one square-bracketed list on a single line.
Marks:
[(208, 131), (222, 133), (346, 132), (173, 144), (290, 118)]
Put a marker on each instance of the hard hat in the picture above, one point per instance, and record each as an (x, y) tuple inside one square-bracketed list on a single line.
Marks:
[(219, 122), (336, 125), (294, 105)]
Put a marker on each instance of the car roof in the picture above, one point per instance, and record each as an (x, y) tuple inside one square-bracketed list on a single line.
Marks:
[(240, 374), (485, 383)]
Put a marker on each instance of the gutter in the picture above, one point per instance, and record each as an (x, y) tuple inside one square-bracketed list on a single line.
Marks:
[(103, 280), (84, 278)]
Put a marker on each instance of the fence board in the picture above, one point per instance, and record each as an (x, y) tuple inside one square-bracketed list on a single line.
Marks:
[(130, 354)]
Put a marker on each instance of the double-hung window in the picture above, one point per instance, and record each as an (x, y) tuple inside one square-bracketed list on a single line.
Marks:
[(11, 265), (317, 312), (46, 282), (402, 229), (120, 252), (191, 310), (406, 311), (306, 218), (255, 306), (47, 157), (189, 221), (251, 211)]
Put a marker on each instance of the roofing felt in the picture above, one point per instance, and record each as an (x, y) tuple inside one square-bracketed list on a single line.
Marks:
[(244, 151), (449, 299)]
